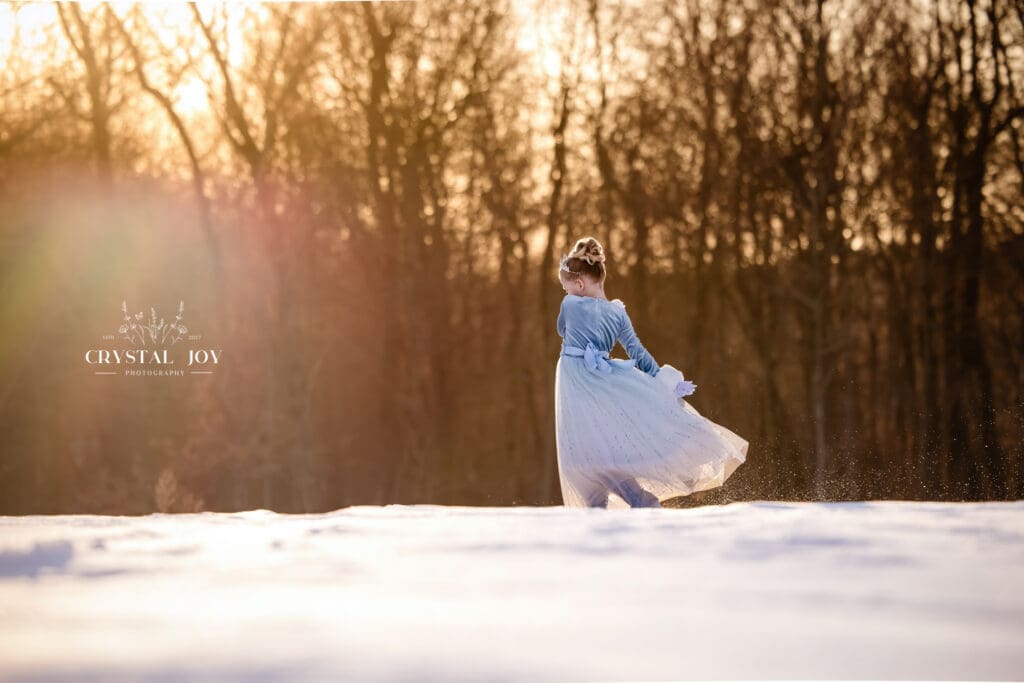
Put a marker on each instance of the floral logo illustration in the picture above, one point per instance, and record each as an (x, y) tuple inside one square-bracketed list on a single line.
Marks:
[(136, 329)]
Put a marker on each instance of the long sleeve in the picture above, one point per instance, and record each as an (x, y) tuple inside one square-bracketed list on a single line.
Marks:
[(560, 325), (627, 337)]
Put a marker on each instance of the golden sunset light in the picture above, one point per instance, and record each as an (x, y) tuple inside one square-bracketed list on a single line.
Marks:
[(408, 340)]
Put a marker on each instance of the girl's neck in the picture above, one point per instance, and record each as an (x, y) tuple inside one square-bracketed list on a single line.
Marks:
[(594, 293)]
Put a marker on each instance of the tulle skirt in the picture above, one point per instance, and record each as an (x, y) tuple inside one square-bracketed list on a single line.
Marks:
[(625, 439)]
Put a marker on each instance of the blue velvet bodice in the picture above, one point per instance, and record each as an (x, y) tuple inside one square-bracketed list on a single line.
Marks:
[(600, 323)]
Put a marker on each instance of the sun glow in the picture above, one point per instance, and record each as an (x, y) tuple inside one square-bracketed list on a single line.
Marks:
[(30, 32)]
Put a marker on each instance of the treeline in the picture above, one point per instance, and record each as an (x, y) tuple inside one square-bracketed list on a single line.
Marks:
[(811, 208)]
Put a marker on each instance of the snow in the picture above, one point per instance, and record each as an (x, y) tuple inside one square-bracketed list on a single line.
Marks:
[(752, 590)]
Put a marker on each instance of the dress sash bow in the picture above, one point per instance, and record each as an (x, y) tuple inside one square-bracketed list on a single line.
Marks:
[(596, 359)]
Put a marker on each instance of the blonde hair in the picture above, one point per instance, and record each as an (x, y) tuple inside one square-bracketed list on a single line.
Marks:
[(585, 258)]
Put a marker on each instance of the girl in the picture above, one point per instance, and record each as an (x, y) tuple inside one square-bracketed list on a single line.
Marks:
[(622, 426)]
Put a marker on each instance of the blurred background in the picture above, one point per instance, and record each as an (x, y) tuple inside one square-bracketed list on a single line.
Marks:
[(813, 209)]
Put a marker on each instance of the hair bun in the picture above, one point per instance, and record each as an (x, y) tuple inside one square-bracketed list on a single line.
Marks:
[(588, 249)]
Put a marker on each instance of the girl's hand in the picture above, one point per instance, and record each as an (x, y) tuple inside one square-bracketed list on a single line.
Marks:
[(685, 388)]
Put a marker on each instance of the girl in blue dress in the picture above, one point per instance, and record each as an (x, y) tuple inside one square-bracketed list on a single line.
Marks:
[(625, 435)]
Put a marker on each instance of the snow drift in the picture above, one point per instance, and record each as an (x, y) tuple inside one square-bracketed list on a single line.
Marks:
[(754, 590)]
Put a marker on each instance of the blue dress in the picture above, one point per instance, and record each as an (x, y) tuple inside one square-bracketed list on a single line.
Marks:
[(624, 438)]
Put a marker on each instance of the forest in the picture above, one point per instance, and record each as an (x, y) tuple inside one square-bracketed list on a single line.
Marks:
[(813, 208)]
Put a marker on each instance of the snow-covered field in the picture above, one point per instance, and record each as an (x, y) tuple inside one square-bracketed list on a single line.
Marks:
[(756, 590)]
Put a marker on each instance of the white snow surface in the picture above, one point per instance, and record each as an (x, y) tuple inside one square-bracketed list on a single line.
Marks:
[(750, 590)]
